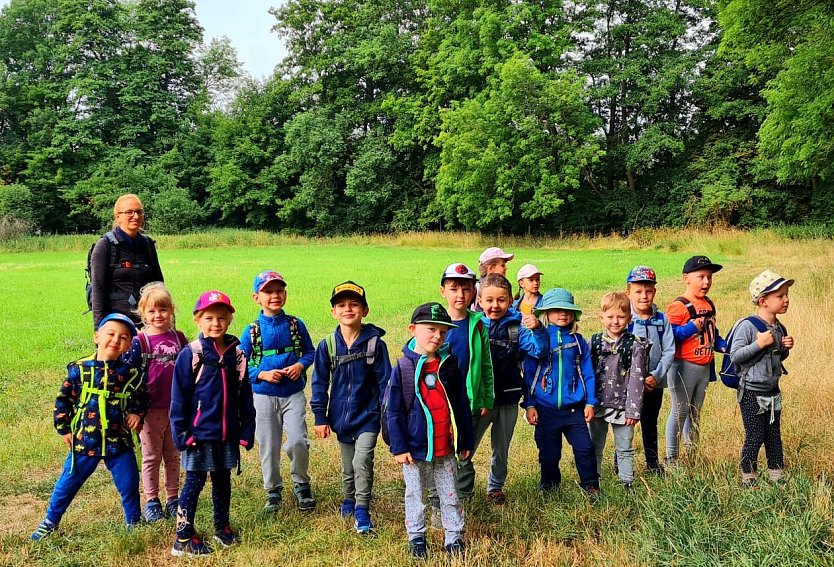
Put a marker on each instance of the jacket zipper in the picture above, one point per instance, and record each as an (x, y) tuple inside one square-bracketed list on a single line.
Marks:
[(559, 390)]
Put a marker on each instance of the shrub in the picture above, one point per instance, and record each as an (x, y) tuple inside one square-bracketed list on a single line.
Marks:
[(172, 211)]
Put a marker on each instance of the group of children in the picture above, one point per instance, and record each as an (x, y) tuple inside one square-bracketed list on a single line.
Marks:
[(466, 367)]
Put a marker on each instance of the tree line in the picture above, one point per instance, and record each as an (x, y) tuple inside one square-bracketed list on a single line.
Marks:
[(494, 115)]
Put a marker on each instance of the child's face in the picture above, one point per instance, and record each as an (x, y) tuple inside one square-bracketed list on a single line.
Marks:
[(272, 297), (531, 285), (349, 312), (498, 266), (458, 293), (641, 295), (158, 317), (560, 317), (112, 340), (214, 321), (698, 283), (428, 337), (776, 302), (615, 321), (494, 301)]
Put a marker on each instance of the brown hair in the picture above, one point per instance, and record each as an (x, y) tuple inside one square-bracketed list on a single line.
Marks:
[(482, 268), (497, 280), (615, 299)]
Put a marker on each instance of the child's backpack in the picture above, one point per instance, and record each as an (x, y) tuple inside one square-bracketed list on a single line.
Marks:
[(729, 372), (511, 342), (256, 338), (658, 322), (407, 370), (198, 361), (112, 243), (369, 354), (148, 355), (596, 350)]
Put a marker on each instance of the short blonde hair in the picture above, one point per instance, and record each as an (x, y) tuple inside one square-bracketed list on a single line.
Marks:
[(154, 294), (615, 299), (122, 199), (542, 317)]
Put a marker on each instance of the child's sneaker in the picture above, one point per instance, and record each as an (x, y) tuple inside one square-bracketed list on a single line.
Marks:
[(189, 546), (44, 529), (592, 492), (347, 508), (153, 511), (418, 548), (304, 497), (456, 548), (273, 501), (750, 483), (226, 537), (171, 507), (496, 496), (362, 520)]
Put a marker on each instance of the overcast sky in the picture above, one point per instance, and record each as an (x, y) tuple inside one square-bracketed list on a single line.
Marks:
[(247, 24)]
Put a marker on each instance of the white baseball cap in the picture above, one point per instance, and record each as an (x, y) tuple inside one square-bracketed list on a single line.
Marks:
[(494, 253), (528, 270), (458, 271)]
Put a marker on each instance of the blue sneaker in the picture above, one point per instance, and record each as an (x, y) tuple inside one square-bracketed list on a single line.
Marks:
[(456, 548), (418, 548), (153, 511), (362, 520), (226, 537), (347, 508), (171, 507), (44, 529), (189, 546)]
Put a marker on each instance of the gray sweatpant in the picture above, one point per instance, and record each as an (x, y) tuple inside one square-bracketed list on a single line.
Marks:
[(358, 468), (417, 476), (275, 416), (503, 419), (687, 388), (623, 446)]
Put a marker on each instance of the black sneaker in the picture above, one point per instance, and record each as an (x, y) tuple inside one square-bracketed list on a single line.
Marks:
[(304, 497), (171, 507), (153, 511), (418, 548), (273, 501), (226, 537), (189, 546), (456, 548)]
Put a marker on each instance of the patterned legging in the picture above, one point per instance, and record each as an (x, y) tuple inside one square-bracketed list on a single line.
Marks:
[(759, 430)]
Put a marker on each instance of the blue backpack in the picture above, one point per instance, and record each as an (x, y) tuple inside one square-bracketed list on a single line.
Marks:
[(729, 372)]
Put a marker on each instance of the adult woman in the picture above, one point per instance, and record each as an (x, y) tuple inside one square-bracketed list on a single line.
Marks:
[(122, 262)]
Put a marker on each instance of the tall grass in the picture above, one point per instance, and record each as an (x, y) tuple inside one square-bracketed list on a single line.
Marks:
[(697, 515)]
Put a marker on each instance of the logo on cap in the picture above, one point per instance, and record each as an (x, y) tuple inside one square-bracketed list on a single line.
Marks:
[(461, 269)]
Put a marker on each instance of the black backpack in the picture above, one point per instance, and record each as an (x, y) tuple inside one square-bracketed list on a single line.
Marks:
[(112, 243), (407, 370)]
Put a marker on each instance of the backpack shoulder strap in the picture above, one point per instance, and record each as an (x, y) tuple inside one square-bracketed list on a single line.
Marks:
[(688, 305), (330, 345), (197, 362), (512, 331), (370, 350), (256, 340), (295, 335), (760, 325), (407, 375)]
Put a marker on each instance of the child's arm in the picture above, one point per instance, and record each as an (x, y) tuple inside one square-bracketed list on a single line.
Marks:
[(588, 377), (381, 368), (319, 386), (528, 367), (133, 357), (682, 326), (460, 406), (667, 354), (182, 390), (397, 418), (65, 403), (748, 343), (636, 376), (246, 406), (533, 342)]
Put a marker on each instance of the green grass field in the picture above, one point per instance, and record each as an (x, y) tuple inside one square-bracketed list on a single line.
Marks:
[(698, 515)]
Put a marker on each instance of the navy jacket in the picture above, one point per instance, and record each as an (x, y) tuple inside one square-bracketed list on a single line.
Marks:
[(275, 335), (411, 430), (506, 358), (217, 404), (348, 398)]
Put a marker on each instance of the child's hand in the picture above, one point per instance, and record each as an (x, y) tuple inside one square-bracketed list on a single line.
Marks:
[(650, 383), (465, 454), (67, 437), (630, 422), (403, 458), (764, 339), (530, 322), (787, 342), (531, 416), (699, 323), (134, 422), (484, 412), (293, 372), (589, 414), (322, 431), (273, 376)]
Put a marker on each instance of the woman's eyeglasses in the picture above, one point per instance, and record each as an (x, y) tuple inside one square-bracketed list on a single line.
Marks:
[(132, 212)]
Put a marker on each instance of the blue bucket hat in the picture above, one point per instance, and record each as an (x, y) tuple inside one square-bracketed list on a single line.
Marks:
[(558, 298), (123, 319)]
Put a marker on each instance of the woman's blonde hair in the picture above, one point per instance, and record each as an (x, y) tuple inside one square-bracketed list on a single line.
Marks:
[(121, 200), (154, 294)]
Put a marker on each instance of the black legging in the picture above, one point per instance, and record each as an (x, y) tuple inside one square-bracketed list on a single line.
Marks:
[(757, 431), (221, 497), (652, 401)]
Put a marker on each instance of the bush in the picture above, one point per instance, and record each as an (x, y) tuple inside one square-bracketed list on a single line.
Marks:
[(17, 203), (12, 228), (172, 211)]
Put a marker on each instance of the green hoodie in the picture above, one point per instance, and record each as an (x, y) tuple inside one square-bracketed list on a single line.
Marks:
[(479, 378)]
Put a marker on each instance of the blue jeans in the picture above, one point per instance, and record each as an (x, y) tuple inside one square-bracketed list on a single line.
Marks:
[(125, 477), (569, 422)]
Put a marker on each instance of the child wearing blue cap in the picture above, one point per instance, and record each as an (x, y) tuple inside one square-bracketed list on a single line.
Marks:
[(279, 350), (100, 405), (559, 397)]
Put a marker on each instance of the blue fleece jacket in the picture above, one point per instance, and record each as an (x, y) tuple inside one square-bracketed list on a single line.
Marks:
[(508, 383), (215, 405), (348, 398), (411, 429), (564, 377), (275, 335)]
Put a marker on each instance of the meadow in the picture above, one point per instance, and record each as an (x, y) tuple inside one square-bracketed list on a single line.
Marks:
[(696, 515)]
